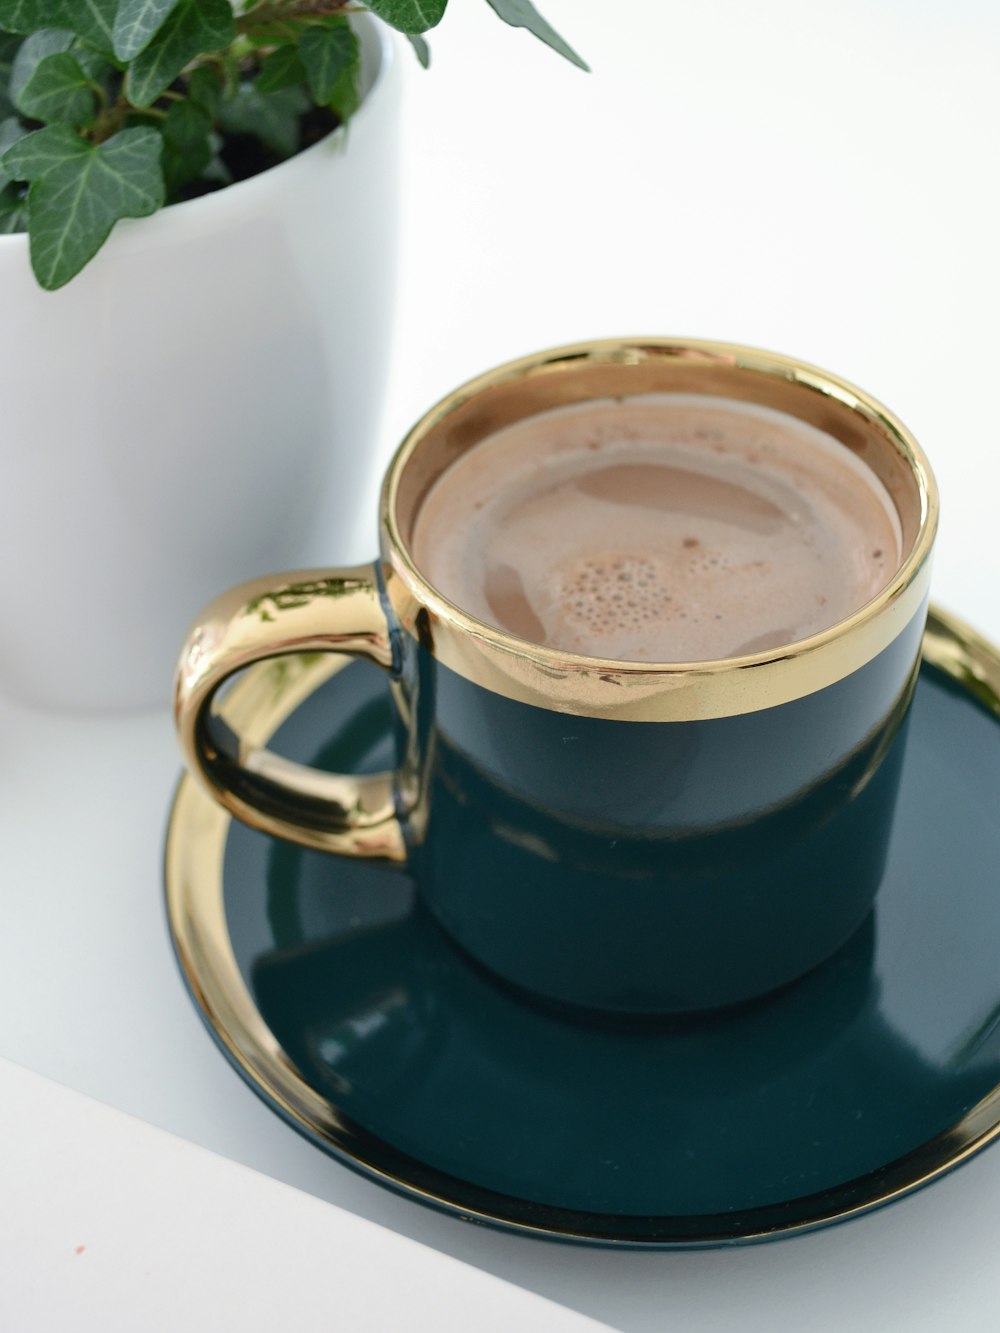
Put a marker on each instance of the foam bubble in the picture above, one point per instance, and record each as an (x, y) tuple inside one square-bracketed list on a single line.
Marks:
[(614, 595)]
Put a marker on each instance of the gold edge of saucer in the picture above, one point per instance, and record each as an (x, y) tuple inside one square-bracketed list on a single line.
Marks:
[(193, 866)]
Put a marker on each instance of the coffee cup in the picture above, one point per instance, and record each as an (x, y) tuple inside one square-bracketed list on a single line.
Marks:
[(616, 835)]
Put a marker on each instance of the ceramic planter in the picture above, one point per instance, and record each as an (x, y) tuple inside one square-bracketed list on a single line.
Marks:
[(197, 407)]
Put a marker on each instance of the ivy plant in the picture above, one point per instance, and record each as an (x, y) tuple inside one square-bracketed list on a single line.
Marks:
[(111, 109)]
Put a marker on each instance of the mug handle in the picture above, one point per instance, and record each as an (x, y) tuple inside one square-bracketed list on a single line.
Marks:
[(308, 611)]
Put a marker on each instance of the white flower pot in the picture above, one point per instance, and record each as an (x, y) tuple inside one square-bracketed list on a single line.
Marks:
[(197, 407)]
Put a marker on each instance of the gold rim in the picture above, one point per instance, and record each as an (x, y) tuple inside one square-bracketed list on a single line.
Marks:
[(194, 895), (663, 691)]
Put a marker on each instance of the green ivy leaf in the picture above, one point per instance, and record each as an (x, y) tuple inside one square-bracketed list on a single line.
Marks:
[(48, 42), (192, 27), (409, 15), (80, 190), (345, 97), (423, 51), (187, 148), (26, 16), (8, 50), (33, 50), (204, 88), (523, 14), (11, 130), (90, 19), (281, 69), (326, 54), (273, 118), (136, 24), (34, 154), (13, 210), (58, 92), (93, 20)]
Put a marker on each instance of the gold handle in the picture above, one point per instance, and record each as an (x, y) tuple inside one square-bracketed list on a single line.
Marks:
[(327, 611)]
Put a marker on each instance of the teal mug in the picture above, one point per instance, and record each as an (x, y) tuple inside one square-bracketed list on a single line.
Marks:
[(613, 838)]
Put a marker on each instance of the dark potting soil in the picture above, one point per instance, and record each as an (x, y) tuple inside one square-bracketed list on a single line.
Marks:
[(244, 155)]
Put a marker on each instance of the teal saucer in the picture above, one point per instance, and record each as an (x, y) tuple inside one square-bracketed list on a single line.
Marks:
[(348, 1010)]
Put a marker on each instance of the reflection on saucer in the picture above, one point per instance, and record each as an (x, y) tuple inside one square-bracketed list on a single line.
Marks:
[(797, 1093), (874, 1073)]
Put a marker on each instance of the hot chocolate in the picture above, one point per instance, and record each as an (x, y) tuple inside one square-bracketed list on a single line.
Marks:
[(666, 528)]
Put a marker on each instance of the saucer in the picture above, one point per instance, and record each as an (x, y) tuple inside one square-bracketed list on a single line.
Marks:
[(348, 1010)]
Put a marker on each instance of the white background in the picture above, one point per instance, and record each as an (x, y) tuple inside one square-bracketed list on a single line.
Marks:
[(813, 177)]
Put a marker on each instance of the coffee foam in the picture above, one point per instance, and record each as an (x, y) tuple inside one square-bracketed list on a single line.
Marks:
[(659, 528)]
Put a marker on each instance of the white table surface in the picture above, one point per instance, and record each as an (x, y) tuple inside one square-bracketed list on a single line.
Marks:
[(813, 177), (115, 1226)]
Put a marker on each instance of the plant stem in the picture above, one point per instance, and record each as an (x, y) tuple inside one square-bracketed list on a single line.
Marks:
[(212, 58), (278, 11), (109, 121), (112, 120)]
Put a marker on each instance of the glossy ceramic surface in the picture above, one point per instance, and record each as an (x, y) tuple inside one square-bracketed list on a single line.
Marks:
[(348, 1009), (644, 869), (645, 838), (128, 492)]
